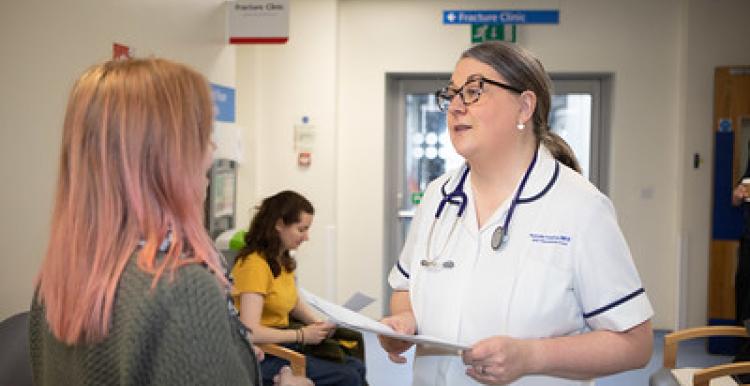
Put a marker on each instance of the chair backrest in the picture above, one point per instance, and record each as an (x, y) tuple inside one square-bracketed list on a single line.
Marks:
[(669, 375), (297, 361), (15, 360)]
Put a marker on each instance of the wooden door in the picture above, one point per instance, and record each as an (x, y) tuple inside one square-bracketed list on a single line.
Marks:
[(731, 130)]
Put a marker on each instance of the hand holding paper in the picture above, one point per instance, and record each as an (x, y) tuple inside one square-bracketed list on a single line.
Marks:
[(403, 323), (360, 322)]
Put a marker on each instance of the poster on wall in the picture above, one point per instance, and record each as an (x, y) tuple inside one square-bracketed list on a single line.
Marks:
[(223, 98), (227, 136)]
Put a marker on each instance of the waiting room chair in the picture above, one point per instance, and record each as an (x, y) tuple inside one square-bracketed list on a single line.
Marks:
[(719, 375), (15, 361), (297, 361)]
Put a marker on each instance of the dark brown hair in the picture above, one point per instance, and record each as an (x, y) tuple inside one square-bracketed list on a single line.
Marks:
[(262, 236), (524, 71)]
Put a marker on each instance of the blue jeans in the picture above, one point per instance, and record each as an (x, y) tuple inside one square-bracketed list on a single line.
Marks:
[(322, 372)]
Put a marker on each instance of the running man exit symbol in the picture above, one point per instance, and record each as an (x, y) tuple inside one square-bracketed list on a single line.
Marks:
[(487, 32)]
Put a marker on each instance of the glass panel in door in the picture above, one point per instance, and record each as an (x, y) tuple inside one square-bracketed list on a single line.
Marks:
[(428, 152)]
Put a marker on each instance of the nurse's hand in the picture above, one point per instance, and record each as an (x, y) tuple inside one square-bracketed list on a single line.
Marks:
[(403, 323), (498, 360)]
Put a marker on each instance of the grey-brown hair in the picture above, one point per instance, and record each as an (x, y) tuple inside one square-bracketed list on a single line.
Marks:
[(523, 70)]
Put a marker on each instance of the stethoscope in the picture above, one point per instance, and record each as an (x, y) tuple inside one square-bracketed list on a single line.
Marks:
[(458, 197)]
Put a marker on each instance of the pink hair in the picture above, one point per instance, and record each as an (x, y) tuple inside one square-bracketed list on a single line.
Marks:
[(135, 135)]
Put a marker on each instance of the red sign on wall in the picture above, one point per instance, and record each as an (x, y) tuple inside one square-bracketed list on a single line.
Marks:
[(120, 51)]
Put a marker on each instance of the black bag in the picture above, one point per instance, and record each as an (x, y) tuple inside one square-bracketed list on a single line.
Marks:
[(343, 342)]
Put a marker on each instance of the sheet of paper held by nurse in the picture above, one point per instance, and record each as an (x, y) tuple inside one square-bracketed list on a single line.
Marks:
[(360, 322)]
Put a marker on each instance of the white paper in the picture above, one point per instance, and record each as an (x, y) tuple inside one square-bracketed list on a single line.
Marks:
[(358, 301), (357, 321)]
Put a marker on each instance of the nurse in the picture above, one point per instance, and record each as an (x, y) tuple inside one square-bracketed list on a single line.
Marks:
[(515, 254)]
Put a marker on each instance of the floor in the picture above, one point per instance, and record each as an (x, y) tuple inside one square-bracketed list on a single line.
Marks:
[(382, 372)]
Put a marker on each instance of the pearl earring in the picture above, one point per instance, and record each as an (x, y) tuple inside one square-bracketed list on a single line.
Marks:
[(520, 126)]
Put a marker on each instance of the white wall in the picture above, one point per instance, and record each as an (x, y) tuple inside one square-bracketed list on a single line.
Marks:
[(45, 46), (248, 118), (277, 86)]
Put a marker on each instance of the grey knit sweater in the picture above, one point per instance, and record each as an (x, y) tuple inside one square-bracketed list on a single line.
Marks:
[(180, 333)]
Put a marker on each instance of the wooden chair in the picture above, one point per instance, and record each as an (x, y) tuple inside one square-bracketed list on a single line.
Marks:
[(297, 361), (719, 375)]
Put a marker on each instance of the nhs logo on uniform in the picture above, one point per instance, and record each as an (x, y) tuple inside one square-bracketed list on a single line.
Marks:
[(550, 239)]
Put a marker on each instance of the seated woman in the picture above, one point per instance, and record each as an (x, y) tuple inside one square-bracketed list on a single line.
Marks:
[(265, 291)]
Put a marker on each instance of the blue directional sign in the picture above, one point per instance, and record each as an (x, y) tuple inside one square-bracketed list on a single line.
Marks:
[(223, 102), (463, 16)]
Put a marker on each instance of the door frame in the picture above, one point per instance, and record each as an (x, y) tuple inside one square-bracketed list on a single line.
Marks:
[(395, 84), (599, 85)]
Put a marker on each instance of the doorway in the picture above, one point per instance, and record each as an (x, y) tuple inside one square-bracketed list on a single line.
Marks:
[(731, 132)]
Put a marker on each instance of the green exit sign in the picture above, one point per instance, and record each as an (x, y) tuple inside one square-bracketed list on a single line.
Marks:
[(487, 32), (416, 197)]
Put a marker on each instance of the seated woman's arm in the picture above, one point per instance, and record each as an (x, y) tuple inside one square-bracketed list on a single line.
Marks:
[(304, 313), (251, 309)]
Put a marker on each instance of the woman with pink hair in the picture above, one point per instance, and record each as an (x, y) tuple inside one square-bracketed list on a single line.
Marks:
[(131, 290)]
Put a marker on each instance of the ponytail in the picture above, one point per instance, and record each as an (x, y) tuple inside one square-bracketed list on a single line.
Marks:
[(560, 150)]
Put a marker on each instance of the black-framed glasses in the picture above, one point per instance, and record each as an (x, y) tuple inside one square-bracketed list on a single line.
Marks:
[(469, 92)]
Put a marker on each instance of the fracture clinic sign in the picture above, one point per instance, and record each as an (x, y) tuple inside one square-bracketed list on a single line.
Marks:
[(257, 22)]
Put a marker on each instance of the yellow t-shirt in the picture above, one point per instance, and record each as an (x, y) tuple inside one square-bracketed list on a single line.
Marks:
[(280, 293)]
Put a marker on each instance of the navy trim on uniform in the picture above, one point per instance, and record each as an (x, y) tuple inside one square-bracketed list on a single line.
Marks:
[(614, 304), (546, 188), (401, 269)]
